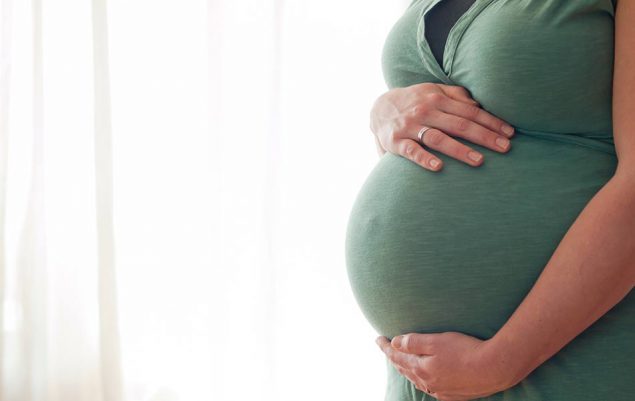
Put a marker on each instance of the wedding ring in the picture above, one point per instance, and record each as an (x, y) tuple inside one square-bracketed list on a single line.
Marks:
[(421, 132)]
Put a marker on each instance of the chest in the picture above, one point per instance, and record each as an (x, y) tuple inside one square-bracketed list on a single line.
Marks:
[(539, 64)]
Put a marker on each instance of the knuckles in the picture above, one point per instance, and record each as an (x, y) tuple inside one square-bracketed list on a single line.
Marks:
[(473, 112), (434, 99), (462, 125), (421, 111), (409, 150), (433, 137), (461, 90), (426, 104)]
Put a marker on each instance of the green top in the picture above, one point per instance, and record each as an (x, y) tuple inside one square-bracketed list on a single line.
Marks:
[(520, 59), (459, 249)]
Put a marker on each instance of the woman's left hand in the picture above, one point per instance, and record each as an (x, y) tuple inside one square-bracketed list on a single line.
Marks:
[(450, 366)]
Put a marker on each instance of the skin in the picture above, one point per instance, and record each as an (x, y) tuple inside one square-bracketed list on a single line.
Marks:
[(399, 114), (592, 270)]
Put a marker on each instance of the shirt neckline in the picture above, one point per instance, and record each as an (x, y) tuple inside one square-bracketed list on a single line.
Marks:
[(443, 72)]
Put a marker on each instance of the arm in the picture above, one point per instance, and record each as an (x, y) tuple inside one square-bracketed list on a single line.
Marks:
[(593, 267)]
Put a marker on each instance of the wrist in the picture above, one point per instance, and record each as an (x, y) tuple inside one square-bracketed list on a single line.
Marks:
[(501, 357)]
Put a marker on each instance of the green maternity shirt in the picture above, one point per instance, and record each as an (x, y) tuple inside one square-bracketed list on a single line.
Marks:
[(459, 249)]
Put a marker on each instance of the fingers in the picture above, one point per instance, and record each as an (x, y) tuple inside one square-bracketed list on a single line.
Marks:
[(404, 360), (409, 375), (411, 150), (469, 130), (450, 112), (439, 140), (414, 379), (458, 93), (407, 365), (415, 343), (477, 115)]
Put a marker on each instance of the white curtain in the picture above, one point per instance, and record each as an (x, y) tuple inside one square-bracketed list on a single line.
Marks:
[(175, 182)]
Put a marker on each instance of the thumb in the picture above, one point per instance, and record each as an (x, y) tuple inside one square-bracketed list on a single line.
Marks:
[(414, 343)]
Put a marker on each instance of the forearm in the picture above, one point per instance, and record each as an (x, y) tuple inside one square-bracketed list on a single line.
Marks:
[(592, 269)]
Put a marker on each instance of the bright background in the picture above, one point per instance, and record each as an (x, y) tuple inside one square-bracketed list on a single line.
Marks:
[(240, 138)]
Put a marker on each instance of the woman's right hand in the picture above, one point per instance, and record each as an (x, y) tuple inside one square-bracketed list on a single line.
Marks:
[(398, 115)]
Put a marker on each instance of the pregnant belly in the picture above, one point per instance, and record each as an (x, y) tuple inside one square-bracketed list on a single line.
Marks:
[(458, 250)]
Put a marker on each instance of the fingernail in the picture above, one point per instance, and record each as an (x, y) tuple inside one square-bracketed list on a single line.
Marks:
[(377, 340), (502, 142), (474, 156), (434, 163), (396, 342), (508, 129)]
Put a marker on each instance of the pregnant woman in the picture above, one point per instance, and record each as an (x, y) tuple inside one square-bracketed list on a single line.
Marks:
[(507, 276)]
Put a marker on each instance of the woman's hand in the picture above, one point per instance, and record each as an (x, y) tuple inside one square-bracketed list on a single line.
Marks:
[(450, 366), (399, 114)]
